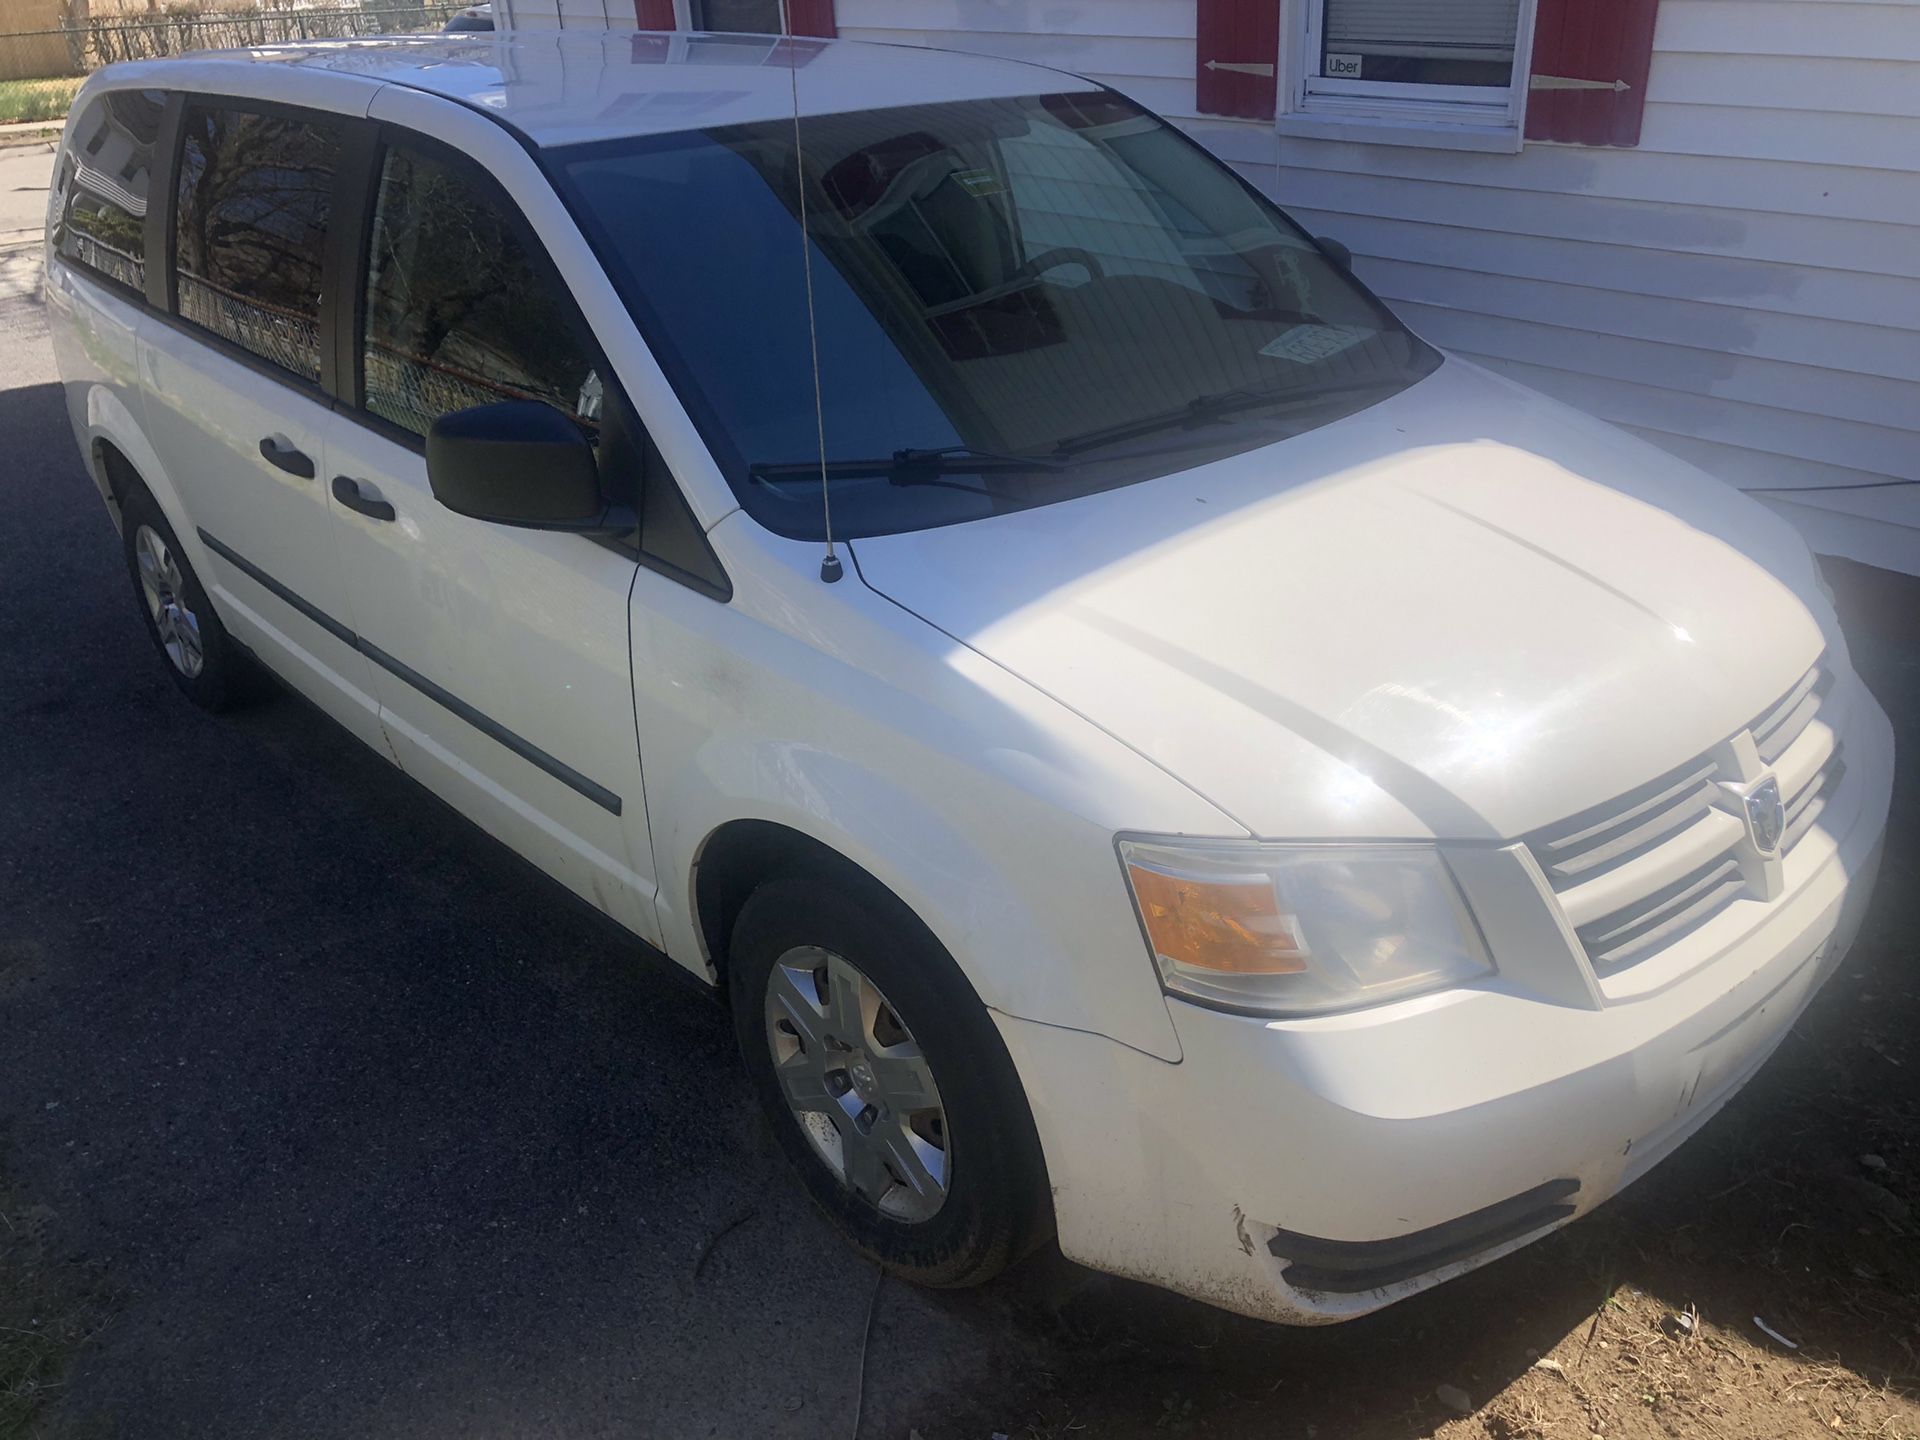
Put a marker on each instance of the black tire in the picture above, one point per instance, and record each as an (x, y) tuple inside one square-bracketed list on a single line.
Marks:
[(995, 1209), (223, 677)]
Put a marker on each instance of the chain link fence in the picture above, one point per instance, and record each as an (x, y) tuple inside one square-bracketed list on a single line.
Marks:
[(414, 391), (130, 270), (286, 337)]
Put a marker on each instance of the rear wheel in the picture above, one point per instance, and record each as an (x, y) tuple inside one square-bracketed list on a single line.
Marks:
[(203, 661), (885, 1082)]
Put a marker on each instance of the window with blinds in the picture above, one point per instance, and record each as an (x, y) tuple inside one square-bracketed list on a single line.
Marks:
[(1419, 42), (746, 17)]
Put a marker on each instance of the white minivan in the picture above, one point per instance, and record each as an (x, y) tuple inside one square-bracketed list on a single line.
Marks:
[(1150, 749)]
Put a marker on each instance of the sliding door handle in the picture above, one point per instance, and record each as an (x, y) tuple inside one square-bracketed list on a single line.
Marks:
[(285, 457), (347, 491)]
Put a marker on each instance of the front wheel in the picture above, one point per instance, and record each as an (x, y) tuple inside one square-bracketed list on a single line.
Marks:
[(885, 1082)]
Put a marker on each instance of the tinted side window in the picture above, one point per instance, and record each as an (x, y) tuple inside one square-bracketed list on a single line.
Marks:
[(251, 224), (458, 312), (102, 216)]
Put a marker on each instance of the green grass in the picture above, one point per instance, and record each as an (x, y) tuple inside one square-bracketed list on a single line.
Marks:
[(36, 99)]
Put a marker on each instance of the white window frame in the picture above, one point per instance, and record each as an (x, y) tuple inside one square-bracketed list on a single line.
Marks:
[(1459, 117)]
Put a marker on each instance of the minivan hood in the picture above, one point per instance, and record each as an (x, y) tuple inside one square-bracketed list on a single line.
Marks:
[(1464, 612)]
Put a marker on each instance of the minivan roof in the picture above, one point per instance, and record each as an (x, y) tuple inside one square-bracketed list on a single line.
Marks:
[(560, 87)]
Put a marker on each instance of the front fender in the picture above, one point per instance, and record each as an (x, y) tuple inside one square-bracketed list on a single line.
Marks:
[(1040, 933), (983, 805)]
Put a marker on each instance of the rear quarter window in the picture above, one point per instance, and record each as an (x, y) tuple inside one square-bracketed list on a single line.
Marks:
[(101, 194)]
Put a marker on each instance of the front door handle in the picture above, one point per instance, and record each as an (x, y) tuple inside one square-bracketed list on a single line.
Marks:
[(347, 491), (285, 457)]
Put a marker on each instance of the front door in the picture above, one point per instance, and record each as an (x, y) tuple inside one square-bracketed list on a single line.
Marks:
[(500, 654)]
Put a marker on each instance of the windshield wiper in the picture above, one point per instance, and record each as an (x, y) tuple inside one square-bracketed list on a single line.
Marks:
[(1205, 408), (909, 466)]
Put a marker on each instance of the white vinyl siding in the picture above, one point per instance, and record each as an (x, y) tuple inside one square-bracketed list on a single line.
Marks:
[(1743, 288)]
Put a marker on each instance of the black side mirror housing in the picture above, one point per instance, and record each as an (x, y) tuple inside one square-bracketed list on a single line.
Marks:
[(519, 462), (1335, 251)]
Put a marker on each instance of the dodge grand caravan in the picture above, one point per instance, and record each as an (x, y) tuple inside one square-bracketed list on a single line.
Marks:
[(1151, 750)]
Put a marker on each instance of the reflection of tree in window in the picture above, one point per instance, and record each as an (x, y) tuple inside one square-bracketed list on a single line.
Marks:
[(254, 193), (458, 314)]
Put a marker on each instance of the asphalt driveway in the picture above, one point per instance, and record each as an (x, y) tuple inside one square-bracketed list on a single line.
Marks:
[(363, 1128)]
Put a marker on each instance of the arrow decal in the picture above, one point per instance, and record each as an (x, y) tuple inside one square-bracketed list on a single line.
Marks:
[(1240, 67)]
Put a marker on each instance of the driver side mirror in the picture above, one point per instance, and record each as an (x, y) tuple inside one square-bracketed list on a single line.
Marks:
[(519, 462), (1335, 251)]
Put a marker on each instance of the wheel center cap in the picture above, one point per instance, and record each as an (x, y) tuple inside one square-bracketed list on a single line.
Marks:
[(862, 1074)]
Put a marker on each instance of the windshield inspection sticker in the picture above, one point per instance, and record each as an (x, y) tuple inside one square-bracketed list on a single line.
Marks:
[(1306, 344), (979, 182)]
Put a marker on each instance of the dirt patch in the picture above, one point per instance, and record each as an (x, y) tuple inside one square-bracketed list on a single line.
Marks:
[(49, 1307), (1645, 1370), (1643, 1320)]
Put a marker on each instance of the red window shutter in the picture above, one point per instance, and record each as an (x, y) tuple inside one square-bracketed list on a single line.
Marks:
[(811, 17), (653, 14), (1238, 45), (1589, 79)]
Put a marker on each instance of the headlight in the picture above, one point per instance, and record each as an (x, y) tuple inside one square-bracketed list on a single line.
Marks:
[(1297, 929)]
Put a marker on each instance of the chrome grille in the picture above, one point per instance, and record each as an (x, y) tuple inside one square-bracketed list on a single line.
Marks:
[(1774, 731), (1666, 915), (1644, 869), (1805, 808), (1621, 830)]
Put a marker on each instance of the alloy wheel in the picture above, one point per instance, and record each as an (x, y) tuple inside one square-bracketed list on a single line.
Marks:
[(858, 1084), (173, 620)]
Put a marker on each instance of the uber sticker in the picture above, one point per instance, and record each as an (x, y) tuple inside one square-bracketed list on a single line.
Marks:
[(1342, 67), (1307, 343)]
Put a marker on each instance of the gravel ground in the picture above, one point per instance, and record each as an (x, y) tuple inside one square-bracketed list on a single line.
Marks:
[(320, 1115)]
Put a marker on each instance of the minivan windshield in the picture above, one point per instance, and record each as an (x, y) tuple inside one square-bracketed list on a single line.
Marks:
[(1017, 301)]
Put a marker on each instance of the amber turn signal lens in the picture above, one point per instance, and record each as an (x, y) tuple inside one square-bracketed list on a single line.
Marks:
[(1231, 926)]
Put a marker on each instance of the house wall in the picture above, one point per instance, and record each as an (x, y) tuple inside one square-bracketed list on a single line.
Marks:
[(33, 47), (1743, 288)]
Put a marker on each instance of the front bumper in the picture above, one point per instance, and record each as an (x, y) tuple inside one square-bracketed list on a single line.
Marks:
[(1314, 1170)]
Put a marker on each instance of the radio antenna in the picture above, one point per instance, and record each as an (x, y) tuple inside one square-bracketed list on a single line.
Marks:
[(830, 564)]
